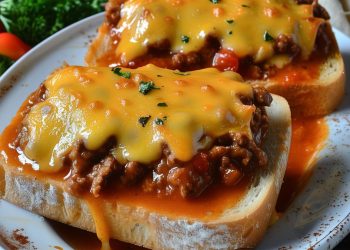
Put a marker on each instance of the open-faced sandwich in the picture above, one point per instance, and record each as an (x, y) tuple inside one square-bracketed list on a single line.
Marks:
[(287, 46), (155, 157)]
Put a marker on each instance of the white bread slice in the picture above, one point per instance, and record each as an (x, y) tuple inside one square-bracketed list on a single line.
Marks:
[(100, 46), (241, 226), (319, 96)]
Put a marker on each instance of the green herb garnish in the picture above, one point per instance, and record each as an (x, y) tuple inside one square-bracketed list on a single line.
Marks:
[(230, 32), (162, 104), (119, 72), (143, 120), (268, 37), (146, 87), (229, 21), (159, 121), (185, 39), (245, 6)]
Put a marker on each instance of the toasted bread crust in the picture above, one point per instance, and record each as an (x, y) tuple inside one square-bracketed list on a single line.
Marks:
[(241, 226), (99, 46), (320, 96), (317, 97)]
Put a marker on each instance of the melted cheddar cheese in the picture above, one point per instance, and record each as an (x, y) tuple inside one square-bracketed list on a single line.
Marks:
[(90, 105), (246, 27)]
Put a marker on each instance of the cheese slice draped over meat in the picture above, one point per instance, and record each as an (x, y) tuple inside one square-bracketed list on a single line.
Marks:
[(246, 27), (144, 109)]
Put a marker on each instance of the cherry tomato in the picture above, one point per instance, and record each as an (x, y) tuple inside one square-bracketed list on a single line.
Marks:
[(11, 46), (225, 60)]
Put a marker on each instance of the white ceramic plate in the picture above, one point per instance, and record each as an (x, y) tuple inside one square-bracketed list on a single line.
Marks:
[(318, 219)]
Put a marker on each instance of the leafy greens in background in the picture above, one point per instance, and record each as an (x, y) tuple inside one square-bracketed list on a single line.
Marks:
[(35, 20), (5, 63)]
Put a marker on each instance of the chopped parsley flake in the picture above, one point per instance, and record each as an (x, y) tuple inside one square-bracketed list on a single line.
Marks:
[(230, 32), (214, 1), (185, 39), (159, 121), (162, 104), (159, 76), (268, 37), (118, 71), (229, 21), (146, 87), (176, 72), (143, 120), (245, 6)]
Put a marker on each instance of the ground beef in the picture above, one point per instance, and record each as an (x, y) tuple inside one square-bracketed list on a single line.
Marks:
[(183, 61), (89, 170), (113, 8), (100, 174), (159, 47), (161, 55), (92, 170), (259, 122), (196, 60), (190, 178), (133, 172), (285, 45), (229, 158), (242, 155)]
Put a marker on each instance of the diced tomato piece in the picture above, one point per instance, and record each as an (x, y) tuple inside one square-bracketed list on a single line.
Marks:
[(225, 60), (11, 46), (201, 162)]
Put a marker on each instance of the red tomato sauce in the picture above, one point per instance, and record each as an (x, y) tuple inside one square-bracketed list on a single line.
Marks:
[(308, 138)]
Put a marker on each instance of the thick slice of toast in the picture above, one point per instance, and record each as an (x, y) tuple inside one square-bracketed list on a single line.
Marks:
[(241, 226), (308, 94), (317, 96), (307, 97)]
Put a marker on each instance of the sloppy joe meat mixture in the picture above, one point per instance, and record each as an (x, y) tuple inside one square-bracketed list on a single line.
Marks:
[(213, 55), (229, 158)]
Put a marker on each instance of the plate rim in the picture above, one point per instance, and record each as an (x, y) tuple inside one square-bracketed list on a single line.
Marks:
[(333, 237)]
